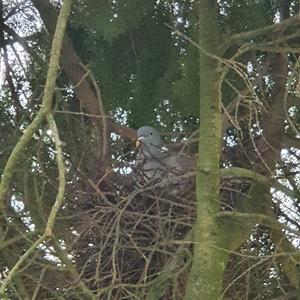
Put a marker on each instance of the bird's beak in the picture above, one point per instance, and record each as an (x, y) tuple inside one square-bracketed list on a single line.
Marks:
[(138, 141)]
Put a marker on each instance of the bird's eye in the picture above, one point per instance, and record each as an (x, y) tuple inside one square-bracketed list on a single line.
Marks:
[(151, 133)]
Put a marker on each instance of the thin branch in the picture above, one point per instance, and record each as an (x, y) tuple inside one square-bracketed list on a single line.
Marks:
[(36, 290), (161, 283), (81, 114), (63, 256), (61, 177), (16, 267)]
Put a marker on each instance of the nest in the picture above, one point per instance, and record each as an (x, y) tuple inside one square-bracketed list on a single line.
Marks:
[(126, 232)]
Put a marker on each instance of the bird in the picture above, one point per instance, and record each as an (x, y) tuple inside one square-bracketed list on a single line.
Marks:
[(154, 159)]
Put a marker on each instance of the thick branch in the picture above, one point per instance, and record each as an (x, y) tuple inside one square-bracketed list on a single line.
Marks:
[(15, 156), (248, 35), (245, 173), (20, 148), (205, 278), (85, 90)]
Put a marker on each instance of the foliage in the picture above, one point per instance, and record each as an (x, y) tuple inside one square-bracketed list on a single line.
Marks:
[(115, 238)]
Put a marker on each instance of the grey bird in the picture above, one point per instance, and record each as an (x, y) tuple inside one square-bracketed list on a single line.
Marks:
[(154, 159)]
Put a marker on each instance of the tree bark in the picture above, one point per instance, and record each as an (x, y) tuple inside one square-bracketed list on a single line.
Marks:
[(206, 276), (86, 89)]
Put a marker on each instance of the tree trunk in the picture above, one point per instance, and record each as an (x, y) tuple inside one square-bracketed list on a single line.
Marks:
[(206, 276)]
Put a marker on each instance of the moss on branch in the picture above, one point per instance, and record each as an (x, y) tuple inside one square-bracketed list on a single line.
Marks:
[(18, 151)]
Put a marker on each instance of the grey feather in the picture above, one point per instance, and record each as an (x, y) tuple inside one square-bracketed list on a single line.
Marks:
[(154, 158)]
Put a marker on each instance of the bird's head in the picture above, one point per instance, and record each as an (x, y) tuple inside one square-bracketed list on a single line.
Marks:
[(149, 137)]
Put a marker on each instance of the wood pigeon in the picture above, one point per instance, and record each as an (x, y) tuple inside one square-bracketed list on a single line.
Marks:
[(154, 159)]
